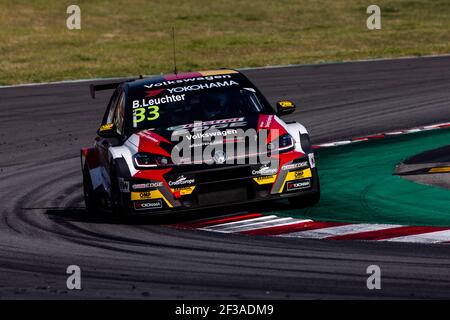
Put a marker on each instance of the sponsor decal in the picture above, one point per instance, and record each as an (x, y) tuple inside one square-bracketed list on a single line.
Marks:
[(202, 86), (149, 195), (124, 186), (293, 166), (181, 180), (312, 160), (300, 174), (142, 103), (148, 185), (184, 190), (213, 124), (264, 171), (144, 195), (148, 135), (298, 185), (144, 205), (265, 179), (205, 143), (266, 123), (187, 80), (212, 134)]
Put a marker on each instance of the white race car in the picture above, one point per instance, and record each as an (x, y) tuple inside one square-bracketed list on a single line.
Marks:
[(139, 166)]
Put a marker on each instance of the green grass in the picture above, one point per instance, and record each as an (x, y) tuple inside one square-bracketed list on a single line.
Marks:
[(358, 185), (133, 37)]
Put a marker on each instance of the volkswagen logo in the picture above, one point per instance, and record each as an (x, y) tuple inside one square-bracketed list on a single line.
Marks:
[(220, 157)]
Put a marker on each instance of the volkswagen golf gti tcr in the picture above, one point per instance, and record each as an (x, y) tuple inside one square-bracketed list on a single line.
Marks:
[(195, 140)]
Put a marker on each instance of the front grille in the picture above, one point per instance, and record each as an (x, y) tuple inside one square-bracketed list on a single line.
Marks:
[(222, 196), (223, 173), (224, 192)]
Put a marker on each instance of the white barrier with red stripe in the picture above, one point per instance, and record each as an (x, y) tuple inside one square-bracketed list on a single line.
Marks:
[(272, 225), (382, 135)]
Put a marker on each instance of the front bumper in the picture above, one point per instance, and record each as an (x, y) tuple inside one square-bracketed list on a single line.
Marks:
[(217, 187)]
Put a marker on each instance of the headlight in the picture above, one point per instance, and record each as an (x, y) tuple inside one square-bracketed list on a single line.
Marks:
[(286, 142), (146, 160)]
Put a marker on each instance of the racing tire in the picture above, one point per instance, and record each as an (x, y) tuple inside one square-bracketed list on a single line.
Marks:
[(117, 209), (305, 142), (90, 199)]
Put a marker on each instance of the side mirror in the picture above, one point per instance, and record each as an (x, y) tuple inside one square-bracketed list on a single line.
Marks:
[(107, 131), (285, 107)]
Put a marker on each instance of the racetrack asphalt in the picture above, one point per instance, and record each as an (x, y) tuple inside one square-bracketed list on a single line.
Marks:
[(43, 228)]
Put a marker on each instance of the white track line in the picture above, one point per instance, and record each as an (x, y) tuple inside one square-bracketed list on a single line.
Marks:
[(434, 126), (239, 223), (394, 133), (338, 231), (414, 130), (258, 225), (119, 78), (237, 214), (294, 221), (345, 62), (431, 237)]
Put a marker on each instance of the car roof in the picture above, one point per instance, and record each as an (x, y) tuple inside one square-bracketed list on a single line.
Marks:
[(184, 75)]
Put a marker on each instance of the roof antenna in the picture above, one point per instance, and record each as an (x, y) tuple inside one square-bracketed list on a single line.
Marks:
[(174, 54)]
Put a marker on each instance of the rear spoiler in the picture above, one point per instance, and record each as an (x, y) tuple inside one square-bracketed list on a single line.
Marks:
[(100, 87), (107, 86)]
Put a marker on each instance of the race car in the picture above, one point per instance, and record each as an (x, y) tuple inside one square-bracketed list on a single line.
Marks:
[(182, 142)]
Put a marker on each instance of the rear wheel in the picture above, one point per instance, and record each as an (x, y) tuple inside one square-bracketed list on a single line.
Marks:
[(90, 199)]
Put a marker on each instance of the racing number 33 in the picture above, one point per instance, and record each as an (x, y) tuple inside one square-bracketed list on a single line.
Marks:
[(140, 114)]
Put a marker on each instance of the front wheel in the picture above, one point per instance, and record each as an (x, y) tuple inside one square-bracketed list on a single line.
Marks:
[(117, 208)]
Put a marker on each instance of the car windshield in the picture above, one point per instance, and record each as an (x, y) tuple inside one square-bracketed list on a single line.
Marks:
[(165, 107)]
